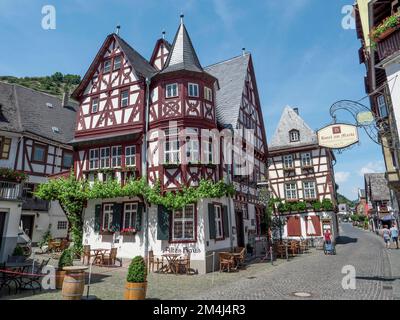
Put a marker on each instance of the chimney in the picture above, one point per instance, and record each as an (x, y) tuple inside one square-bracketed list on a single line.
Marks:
[(65, 98), (296, 110), (243, 51), (117, 31)]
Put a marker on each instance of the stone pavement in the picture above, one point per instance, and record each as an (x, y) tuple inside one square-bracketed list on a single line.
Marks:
[(313, 274)]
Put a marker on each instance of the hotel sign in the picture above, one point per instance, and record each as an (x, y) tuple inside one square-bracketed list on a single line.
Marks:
[(337, 136)]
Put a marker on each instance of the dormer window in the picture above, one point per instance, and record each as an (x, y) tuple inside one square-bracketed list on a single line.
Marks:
[(171, 90), (193, 89), (55, 129), (294, 136), (117, 62), (49, 105), (107, 66)]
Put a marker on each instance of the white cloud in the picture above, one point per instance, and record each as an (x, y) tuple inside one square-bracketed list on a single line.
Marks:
[(226, 13), (341, 176), (372, 167)]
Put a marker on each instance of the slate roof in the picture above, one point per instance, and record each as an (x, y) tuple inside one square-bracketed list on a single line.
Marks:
[(231, 75), (140, 65), (182, 55), (26, 110), (290, 120), (377, 187)]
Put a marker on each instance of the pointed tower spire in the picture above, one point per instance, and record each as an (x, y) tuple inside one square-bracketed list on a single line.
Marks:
[(182, 55)]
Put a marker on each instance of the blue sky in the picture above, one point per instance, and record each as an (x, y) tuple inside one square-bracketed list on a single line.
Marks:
[(302, 55)]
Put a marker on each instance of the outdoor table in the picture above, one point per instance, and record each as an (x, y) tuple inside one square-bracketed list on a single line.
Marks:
[(171, 258), (19, 268), (98, 255)]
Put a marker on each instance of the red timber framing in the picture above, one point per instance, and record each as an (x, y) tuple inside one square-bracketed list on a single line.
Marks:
[(52, 157), (160, 54), (320, 172)]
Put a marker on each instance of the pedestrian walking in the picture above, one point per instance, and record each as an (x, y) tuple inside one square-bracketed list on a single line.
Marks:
[(327, 237), (394, 232), (386, 236)]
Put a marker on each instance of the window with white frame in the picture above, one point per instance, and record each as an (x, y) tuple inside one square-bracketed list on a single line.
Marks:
[(290, 191), (105, 157), (309, 190), (107, 216), (208, 94), (219, 227), (171, 90), (193, 89), (183, 224), (130, 211), (130, 156), (306, 159), (192, 146), (107, 66), (171, 147), (382, 107), (117, 62), (294, 135), (94, 159), (124, 98), (288, 161), (95, 105), (207, 151), (116, 156)]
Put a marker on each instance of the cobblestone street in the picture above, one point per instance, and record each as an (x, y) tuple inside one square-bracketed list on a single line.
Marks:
[(312, 273)]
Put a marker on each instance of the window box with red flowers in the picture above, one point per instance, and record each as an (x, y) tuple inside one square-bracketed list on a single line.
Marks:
[(128, 231)]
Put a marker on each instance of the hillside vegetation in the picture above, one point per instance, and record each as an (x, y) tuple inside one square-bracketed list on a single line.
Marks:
[(55, 84)]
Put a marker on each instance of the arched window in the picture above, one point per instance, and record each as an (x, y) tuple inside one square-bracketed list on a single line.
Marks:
[(294, 135)]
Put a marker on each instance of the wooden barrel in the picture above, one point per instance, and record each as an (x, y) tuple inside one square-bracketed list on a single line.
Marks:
[(73, 285), (60, 278), (135, 291)]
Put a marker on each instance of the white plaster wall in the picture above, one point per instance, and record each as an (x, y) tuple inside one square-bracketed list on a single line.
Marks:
[(393, 78)]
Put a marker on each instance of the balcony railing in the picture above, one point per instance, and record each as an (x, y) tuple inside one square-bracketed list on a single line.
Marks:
[(35, 204), (10, 190), (389, 45)]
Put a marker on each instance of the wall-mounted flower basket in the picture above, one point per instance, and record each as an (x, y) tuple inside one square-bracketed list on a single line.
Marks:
[(211, 165), (386, 27)]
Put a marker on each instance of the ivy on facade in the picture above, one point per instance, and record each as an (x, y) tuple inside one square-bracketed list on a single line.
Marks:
[(73, 194)]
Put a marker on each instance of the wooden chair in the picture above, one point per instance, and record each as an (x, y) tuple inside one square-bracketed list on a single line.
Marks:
[(226, 262), (109, 259), (64, 244), (184, 263), (86, 255), (155, 261), (241, 259), (293, 249)]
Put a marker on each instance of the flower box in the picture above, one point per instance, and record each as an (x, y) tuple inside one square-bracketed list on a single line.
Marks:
[(171, 165), (106, 232), (128, 231)]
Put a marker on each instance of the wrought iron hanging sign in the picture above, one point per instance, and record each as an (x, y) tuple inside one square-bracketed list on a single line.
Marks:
[(337, 136)]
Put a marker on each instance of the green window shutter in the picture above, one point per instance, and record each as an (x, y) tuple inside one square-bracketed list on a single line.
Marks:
[(97, 217), (117, 216), (211, 221), (225, 221), (138, 222), (163, 223)]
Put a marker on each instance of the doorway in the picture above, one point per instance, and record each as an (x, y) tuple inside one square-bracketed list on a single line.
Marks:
[(2, 224), (27, 224), (239, 228)]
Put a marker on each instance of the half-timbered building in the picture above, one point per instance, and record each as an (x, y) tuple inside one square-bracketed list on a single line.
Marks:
[(35, 129), (301, 171), (144, 118)]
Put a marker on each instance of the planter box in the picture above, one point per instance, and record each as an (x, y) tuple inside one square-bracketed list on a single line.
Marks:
[(106, 233)]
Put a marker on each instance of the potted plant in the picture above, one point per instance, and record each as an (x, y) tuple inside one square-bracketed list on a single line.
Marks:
[(136, 284), (18, 254), (66, 260)]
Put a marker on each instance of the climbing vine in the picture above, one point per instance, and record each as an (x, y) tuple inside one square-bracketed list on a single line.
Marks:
[(73, 194)]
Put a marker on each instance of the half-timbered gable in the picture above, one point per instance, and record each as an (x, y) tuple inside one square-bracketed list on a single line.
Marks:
[(35, 129), (300, 170), (160, 54)]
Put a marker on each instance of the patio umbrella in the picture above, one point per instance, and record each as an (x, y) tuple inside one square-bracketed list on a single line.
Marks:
[(310, 227)]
